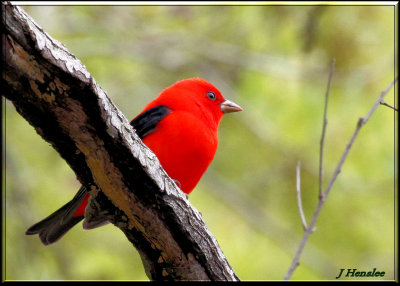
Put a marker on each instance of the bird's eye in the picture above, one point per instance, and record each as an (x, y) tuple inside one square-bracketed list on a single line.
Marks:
[(211, 95)]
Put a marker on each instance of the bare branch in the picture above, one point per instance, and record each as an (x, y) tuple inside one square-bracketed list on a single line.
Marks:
[(388, 105), (321, 202), (325, 122), (299, 204), (380, 99)]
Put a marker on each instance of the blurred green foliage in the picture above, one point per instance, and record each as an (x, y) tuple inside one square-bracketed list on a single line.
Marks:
[(274, 62)]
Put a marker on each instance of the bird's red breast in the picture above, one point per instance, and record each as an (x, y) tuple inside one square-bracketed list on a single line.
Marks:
[(185, 140)]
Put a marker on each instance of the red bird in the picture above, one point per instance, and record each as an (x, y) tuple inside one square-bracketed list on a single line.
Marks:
[(180, 126)]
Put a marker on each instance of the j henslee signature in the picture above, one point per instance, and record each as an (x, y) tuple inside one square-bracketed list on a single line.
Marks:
[(355, 273)]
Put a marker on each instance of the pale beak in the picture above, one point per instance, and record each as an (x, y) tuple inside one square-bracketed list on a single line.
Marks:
[(228, 106)]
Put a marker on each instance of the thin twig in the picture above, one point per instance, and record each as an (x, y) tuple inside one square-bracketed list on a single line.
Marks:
[(321, 152), (360, 123), (388, 105), (380, 99), (299, 204)]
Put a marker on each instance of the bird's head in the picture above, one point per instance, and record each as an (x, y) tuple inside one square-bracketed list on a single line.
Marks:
[(198, 96)]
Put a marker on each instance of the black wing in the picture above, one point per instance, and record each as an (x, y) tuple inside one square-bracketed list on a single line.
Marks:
[(146, 122)]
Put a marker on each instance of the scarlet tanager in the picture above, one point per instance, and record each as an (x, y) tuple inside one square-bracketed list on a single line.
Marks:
[(180, 126)]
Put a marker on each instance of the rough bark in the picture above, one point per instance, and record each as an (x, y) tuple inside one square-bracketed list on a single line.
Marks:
[(55, 93)]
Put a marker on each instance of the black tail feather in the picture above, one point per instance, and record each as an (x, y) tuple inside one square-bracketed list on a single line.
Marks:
[(53, 227)]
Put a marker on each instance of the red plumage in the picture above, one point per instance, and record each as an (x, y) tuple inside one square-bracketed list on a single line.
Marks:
[(185, 141)]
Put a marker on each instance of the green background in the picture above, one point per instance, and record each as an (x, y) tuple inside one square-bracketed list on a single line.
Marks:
[(274, 62)]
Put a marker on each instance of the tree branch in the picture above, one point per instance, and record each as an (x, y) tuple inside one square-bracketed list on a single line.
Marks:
[(55, 93), (325, 122), (321, 202)]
